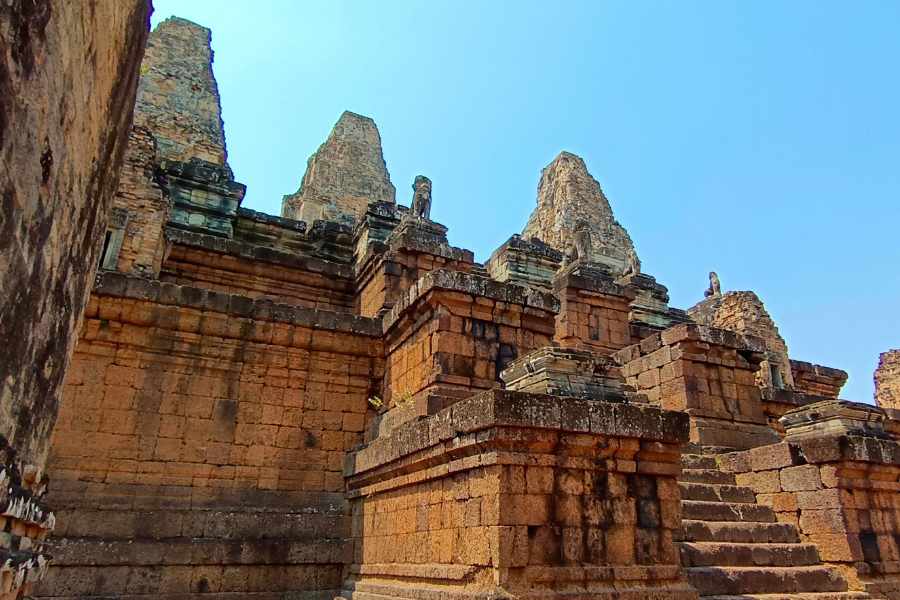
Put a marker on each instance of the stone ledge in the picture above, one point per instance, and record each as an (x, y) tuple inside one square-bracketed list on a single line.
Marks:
[(590, 278), (254, 252), (416, 571), (672, 589), (830, 372), (856, 448), (261, 217), (502, 408), (199, 551), (690, 332), (467, 283), (790, 397), (118, 285)]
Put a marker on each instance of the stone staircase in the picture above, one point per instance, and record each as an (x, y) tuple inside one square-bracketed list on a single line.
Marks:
[(734, 549)]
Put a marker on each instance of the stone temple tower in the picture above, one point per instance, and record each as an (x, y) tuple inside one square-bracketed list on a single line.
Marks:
[(344, 176), (567, 195)]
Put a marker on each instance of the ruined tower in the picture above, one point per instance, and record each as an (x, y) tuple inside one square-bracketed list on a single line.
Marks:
[(344, 176), (568, 195), (887, 380)]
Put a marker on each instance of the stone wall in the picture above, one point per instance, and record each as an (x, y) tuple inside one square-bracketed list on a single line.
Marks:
[(520, 495), (887, 380), (817, 380), (593, 310), (708, 373), (68, 74), (201, 441), (233, 267), (840, 489), (67, 86), (744, 312), (454, 332)]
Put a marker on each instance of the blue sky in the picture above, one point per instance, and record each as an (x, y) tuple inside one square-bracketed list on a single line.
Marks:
[(757, 139)]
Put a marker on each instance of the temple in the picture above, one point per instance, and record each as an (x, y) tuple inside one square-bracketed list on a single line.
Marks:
[(336, 402)]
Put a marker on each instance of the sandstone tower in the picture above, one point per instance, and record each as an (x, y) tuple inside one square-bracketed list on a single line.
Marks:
[(343, 176), (567, 194), (337, 403), (887, 380)]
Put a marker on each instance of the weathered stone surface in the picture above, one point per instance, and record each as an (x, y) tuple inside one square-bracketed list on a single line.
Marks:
[(136, 244), (887, 380), (67, 83), (569, 373), (830, 417), (744, 312), (178, 98), (68, 75), (818, 380), (567, 195), (344, 176)]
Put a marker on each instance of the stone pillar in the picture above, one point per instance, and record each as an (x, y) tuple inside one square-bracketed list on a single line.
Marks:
[(707, 373), (593, 312), (450, 335), (386, 271), (516, 495)]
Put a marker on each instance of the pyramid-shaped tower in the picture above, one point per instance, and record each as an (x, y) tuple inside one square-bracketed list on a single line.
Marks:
[(568, 195)]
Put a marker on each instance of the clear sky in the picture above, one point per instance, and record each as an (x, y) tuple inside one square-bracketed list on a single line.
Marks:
[(757, 139)]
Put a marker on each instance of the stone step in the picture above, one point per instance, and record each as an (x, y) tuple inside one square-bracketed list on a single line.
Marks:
[(698, 461), (803, 596), (716, 492), (738, 532), (706, 476), (710, 581), (726, 511), (716, 554)]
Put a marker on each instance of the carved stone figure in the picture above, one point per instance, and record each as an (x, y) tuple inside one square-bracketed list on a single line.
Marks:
[(581, 247), (715, 288), (421, 202), (633, 264)]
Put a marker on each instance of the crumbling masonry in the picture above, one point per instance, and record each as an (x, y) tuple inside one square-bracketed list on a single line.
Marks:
[(336, 402)]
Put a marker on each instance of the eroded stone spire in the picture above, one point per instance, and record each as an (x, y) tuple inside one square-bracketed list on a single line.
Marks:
[(344, 176), (568, 195), (178, 99), (887, 380)]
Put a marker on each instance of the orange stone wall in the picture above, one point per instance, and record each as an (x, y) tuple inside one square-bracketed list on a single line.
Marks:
[(842, 494), (143, 245), (194, 424), (708, 373), (593, 314), (492, 498), (385, 278), (452, 339), (309, 282)]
